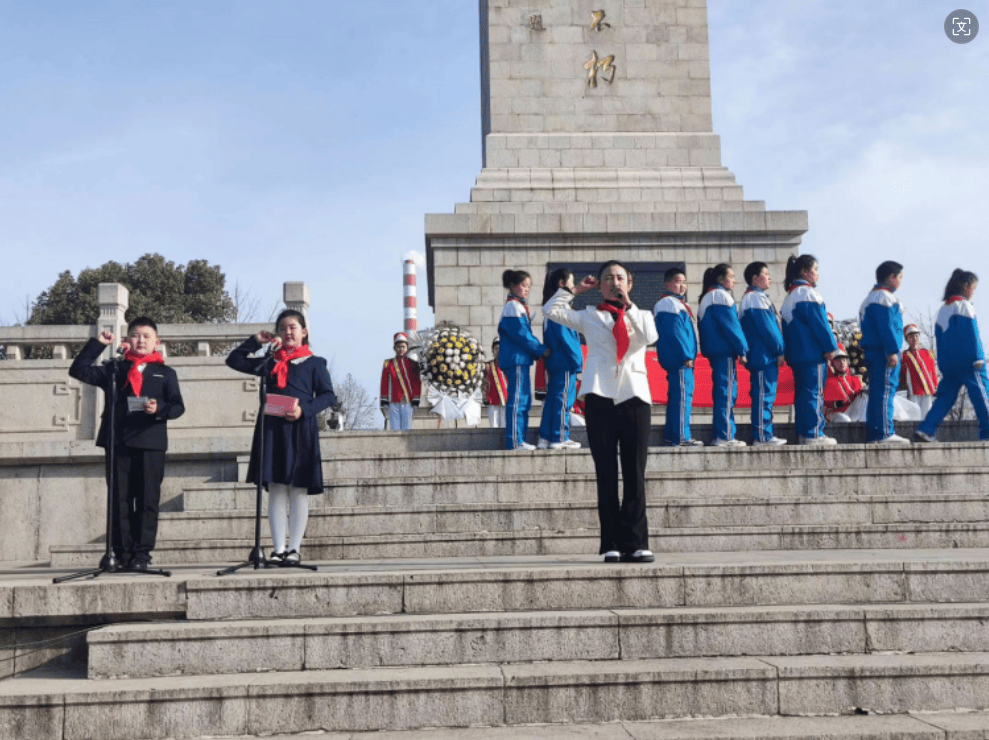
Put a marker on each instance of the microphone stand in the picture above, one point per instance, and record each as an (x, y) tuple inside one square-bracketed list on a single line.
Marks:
[(256, 556), (109, 562)]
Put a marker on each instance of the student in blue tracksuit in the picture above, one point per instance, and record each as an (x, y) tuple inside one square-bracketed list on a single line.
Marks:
[(676, 351), (959, 358), (564, 362), (762, 332), (809, 346), (882, 334), (722, 343), (519, 349)]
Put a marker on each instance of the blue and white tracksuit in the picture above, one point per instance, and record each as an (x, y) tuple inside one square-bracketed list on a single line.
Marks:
[(958, 348), (757, 315), (722, 341), (564, 362), (519, 348), (882, 334), (677, 345), (807, 338)]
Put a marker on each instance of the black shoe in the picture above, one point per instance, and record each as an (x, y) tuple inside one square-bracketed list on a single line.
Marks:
[(291, 558), (276, 558), (139, 565), (612, 556), (639, 556)]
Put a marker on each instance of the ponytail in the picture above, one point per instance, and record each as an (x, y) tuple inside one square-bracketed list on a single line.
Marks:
[(552, 283), (959, 279), (511, 278), (711, 277), (795, 267)]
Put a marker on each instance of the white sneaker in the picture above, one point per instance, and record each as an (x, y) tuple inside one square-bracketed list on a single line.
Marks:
[(892, 439), (525, 446), (567, 444), (691, 443), (612, 556), (919, 436), (728, 443), (639, 556), (771, 442), (820, 441), (543, 444)]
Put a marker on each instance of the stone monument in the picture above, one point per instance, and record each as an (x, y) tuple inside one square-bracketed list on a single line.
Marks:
[(597, 144)]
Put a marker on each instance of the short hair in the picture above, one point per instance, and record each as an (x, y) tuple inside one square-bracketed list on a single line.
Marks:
[(141, 321), (753, 270), (887, 269), (673, 272), (291, 313), (613, 263)]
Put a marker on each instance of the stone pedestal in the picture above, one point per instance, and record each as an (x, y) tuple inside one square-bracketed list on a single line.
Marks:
[(582, 170)]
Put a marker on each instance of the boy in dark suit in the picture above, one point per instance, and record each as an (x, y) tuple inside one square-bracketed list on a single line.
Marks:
[(147, 397)]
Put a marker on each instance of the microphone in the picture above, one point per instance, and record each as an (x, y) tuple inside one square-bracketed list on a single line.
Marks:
[(123, 349)]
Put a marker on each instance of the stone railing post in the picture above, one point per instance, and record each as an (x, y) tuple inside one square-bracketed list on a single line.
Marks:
[(296, 296), (114, 299)]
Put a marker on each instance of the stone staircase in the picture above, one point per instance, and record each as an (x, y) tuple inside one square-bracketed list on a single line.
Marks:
[(800, 593)]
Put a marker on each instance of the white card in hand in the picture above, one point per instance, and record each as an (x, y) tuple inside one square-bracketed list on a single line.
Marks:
[(136, 403)]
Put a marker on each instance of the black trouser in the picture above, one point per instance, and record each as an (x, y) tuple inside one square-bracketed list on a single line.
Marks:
[(620, 432), (138, 491)]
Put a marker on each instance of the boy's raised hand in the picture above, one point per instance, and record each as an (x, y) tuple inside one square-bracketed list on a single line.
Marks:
[(105, 338)]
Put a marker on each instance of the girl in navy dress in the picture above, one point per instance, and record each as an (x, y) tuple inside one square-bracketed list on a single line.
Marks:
[(293, 468)]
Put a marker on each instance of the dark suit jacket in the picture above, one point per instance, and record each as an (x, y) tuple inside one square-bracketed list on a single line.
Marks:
[(136, 429)]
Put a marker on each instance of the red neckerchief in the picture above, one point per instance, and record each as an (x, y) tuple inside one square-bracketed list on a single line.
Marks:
[(620, 330), (282, 359), (798, 283), (134, 376), (882, 287), (954, 299), (525, 305), (680, 298)]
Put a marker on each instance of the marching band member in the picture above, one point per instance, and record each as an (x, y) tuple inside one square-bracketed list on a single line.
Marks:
[(400, 386)]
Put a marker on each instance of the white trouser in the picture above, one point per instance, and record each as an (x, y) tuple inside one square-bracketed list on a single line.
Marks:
[(925, 403), (399, 416), (496, 417), (287, 506)]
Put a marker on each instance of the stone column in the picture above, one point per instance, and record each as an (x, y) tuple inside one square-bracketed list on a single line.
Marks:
[(114, 300), (296, 296)]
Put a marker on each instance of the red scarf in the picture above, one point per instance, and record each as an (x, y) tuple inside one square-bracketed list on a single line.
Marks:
[(525, 304), (282, 359), (134, 376), (620, 330), (954, 299)]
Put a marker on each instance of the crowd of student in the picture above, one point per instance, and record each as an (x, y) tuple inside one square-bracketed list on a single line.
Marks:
[(754, 333)]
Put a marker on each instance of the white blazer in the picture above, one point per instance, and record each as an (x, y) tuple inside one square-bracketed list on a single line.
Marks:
[(601, 375)]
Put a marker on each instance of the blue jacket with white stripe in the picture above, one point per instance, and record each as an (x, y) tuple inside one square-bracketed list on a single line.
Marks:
[(761, 328), (957, 334), (519, 345), (677, 337), (721, 334), (881, 321), (807, 337)]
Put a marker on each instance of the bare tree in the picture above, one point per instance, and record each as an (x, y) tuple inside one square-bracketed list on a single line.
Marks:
[(359, 406), (247, 306)]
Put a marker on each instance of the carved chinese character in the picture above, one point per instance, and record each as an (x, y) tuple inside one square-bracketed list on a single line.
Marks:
[(607, 64), (597, 21), (536, 23)]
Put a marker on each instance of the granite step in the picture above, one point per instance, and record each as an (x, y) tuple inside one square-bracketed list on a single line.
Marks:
[(374, 463), (927, 726), (553, 542), (246, 646), (728, 481), (506, 694)]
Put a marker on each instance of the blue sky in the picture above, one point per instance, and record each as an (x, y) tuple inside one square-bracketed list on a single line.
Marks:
[(305, 140)]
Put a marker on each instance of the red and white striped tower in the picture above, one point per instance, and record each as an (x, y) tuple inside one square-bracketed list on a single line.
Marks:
[(409, 292)]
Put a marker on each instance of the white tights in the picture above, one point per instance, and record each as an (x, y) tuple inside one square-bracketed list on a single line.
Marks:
[(287, 505)]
